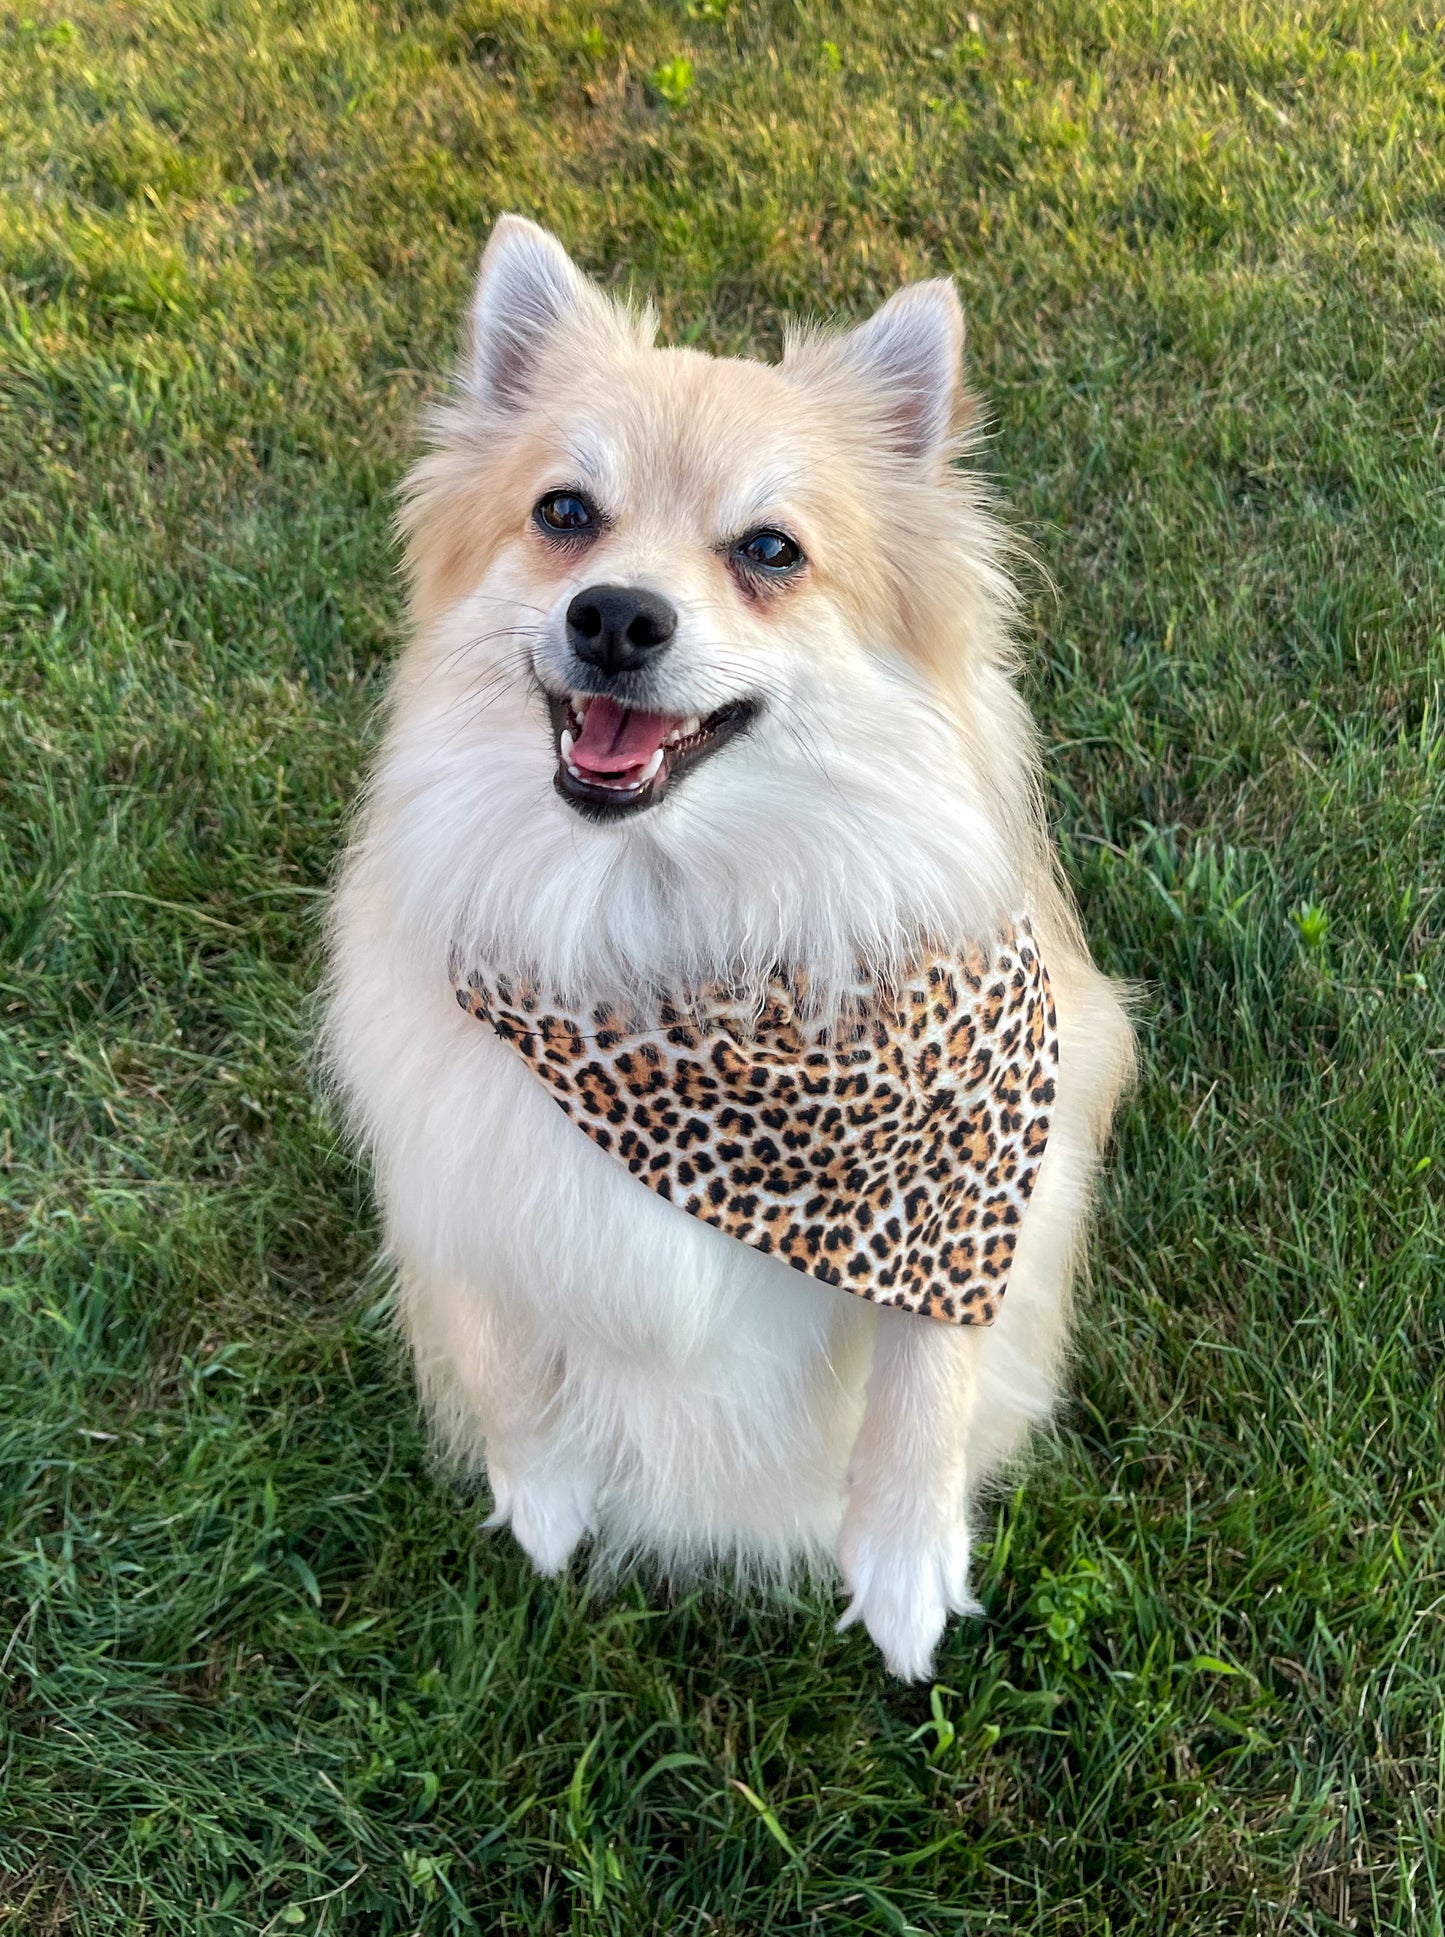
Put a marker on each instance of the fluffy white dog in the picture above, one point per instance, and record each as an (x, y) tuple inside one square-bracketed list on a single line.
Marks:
[(709, 680)]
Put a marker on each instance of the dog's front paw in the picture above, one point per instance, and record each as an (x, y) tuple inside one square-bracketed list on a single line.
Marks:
[(549, 1512), (904, 1583)]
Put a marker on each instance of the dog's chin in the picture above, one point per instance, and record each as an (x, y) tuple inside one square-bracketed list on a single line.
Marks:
[(615, 761)]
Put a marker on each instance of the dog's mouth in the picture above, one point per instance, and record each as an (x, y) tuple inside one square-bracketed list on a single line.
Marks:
[(614, 759)]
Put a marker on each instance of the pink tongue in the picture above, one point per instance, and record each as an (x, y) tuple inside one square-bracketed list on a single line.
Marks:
[(615, 740)]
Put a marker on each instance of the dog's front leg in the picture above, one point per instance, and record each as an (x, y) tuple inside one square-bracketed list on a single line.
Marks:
[(904, 1545), (546, 1498), (497, 1391)]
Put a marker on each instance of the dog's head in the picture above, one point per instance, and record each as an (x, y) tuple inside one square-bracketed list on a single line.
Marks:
[(709, 665)]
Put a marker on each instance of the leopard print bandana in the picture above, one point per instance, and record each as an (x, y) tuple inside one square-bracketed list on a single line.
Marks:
[(892, 1153)]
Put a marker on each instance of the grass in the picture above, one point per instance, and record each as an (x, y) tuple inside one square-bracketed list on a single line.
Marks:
[(261, 1672)]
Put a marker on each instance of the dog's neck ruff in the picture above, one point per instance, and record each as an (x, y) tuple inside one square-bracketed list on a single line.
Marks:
[(892, 1151)]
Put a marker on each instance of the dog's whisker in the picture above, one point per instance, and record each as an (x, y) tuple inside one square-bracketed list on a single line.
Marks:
[(475, 641)]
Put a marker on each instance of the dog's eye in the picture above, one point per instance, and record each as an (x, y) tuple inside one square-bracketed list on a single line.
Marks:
[(768, 551), (565, 512)]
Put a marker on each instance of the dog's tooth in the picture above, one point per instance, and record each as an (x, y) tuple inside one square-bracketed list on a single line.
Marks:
[(566, 743), (652, 769), (692, 724), (574, 771)]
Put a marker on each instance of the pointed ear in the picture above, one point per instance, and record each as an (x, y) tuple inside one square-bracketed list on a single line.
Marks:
[(528, 288), (912, 352)]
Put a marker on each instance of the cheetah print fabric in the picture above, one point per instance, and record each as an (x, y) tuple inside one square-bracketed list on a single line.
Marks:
[(893, 1154)]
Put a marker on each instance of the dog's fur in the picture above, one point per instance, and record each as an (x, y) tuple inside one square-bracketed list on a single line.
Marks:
[(618, 1366)]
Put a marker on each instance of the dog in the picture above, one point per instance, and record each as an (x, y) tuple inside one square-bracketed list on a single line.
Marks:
[(710, 686)]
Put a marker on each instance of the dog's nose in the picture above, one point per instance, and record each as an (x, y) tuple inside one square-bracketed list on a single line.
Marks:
[(618, 627)]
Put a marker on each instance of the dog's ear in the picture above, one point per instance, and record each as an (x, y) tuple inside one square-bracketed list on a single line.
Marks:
[(528, 288), (912, 352)]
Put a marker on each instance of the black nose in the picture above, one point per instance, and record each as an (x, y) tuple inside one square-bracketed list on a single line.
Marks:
[(618, 627)]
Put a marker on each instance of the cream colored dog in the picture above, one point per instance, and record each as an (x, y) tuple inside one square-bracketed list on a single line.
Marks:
[(710, 672)]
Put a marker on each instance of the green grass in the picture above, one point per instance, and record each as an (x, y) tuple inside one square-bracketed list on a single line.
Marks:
[(260, 1670)]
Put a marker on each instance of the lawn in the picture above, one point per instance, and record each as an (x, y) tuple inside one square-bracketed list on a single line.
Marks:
[(261, 1671)]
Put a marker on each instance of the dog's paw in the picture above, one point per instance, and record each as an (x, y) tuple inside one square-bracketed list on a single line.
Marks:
[(549, 1513), (904, 1584)]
